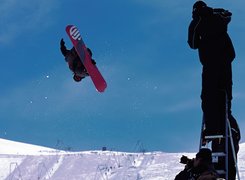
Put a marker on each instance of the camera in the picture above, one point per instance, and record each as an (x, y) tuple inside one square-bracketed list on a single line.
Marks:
[(222, 12)]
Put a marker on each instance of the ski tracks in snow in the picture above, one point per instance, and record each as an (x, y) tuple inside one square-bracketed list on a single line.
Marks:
[(54, 168)]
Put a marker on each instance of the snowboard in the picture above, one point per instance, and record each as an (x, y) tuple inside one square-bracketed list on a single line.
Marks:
[(79, 45)]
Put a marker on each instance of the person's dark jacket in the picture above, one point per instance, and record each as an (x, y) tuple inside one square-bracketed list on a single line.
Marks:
[(208, 33), (236, 134), (72, 58), (206, 172), (199, 173)]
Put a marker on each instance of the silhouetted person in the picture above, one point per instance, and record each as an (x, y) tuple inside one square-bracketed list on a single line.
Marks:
[(208, 33), (199, 168)]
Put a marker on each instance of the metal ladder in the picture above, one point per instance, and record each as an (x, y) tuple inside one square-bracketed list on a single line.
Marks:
[(220, 147), (219, 154)]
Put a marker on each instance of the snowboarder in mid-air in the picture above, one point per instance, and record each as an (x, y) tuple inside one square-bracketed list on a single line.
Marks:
[(74, 62)]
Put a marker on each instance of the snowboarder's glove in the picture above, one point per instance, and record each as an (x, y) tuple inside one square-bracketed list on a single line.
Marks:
[(62, 42), (93, 62)]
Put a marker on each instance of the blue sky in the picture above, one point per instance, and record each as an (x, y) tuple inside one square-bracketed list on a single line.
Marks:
[(153, 77)]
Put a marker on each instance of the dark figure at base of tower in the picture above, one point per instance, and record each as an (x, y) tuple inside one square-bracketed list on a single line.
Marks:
[(208, 33), (199, 168)]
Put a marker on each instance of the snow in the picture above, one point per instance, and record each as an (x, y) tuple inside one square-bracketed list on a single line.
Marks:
[(24, 161), (17, 148)]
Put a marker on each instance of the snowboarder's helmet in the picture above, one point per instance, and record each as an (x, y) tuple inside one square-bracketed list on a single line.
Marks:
[(198, 5), (77, 78)]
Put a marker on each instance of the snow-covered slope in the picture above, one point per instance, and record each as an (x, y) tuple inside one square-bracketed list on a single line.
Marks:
[(17, 148), (24, 162)]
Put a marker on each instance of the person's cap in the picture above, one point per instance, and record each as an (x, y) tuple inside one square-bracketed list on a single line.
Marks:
[(199, 5), (205, 154)]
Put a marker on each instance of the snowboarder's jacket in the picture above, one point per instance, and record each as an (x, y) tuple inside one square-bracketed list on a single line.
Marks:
[(74, 62), (72, 59), (208, 33)]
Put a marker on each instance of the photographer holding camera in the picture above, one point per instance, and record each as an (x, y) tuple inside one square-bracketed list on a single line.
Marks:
[(199, 168), (208, 33)]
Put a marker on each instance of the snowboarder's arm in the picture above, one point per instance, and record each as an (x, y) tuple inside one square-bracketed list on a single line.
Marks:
[(63, 49)]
